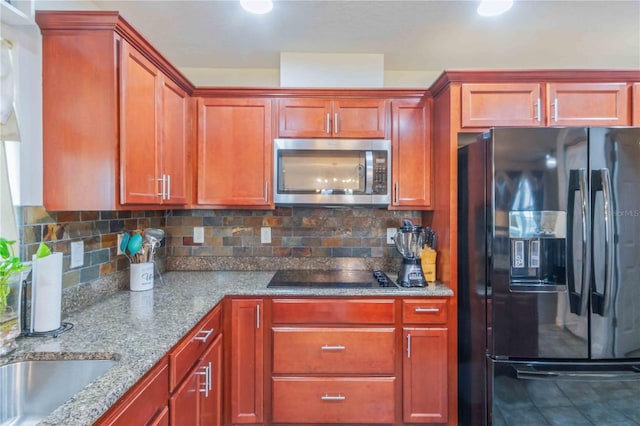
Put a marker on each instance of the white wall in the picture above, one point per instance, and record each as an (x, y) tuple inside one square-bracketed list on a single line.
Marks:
[(27, 68)]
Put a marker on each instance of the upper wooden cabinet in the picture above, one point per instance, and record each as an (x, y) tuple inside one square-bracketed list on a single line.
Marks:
[(234, 152), (587, 104), (636, 104), (325, 118), (496, 104), (411, 154), (153, 133), (113, 136), (485, 105)]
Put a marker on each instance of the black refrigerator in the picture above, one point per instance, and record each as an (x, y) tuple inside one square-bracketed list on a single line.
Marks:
[(549, 277)]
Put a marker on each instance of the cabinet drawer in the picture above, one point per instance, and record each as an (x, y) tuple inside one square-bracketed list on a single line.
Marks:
[(424, 311), (333, 400), (333, 350), (333, 311), (182, 358), (146, 400)]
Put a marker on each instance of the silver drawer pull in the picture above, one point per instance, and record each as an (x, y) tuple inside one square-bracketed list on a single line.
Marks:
[(431, 310), (205, 335), (338, 397), (333, 348)]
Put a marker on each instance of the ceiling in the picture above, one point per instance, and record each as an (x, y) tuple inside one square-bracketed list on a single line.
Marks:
[(412, 35)]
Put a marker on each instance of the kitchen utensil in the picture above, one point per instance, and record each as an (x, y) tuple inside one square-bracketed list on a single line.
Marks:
[(154, 236), (123, 245), (134, 245)]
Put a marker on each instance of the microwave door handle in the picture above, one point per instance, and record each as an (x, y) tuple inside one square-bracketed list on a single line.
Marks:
[(368, 186)]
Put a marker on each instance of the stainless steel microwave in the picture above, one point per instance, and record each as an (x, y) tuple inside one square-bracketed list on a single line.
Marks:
[(332, 171)]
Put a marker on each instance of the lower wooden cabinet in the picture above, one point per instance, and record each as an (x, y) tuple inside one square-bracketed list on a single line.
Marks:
[(425, 366), (367, 400), (247, 365), (211, 398), (329, 361), (145, 403), (424, 375)]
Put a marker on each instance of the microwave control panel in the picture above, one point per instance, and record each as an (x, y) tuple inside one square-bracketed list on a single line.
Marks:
[(380, 173)]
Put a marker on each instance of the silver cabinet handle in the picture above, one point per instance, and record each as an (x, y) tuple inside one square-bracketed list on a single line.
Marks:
[(427, 310), (555, 110), (204, 371), (168, 187), (338, 397), (205, 335), (408, 346), (209, 377), (333, 348), (335, 123), (328, 124), (538, 111), (266, 191), (257, 316), (163, 187)]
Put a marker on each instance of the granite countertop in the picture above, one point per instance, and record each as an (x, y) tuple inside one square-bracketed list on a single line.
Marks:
[(138, 328)]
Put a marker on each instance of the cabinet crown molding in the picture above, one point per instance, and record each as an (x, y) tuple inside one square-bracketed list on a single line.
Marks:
[(532, 76)]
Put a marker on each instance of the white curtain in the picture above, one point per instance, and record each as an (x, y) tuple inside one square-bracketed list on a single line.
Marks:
[(8, 132)]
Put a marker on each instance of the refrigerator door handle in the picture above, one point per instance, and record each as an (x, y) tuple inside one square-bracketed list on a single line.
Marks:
[(601, 182), (578, 301), (530, 373)]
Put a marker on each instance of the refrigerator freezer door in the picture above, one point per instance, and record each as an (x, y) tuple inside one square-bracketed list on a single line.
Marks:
[(615, 179)]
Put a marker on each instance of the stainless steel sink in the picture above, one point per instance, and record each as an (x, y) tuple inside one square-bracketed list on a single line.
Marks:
[(31, 390)]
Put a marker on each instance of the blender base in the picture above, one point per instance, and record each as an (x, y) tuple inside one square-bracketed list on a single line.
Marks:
[(410, 274)]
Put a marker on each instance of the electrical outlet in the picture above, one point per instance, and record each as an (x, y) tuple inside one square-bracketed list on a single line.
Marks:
[(77, 254), (391, 232), (198, 234), (265, 235), (120, 236)]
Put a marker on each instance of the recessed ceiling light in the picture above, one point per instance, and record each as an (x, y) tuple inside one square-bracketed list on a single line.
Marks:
[(494, 7), (257, 6)]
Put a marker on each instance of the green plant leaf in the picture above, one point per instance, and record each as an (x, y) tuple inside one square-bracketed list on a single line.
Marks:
[(43, 251)]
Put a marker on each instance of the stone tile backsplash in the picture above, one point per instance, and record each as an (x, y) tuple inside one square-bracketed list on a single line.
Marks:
[(295, 232), (99, 232)]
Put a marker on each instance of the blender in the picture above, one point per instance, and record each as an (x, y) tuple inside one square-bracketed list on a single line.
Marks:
[(410, 241)]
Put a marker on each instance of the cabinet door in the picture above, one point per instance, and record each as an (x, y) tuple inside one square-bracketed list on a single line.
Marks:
[(424, 373), (211, 401), (184, 404), (587, 104), (411, 154), (509, 104), (139, 128), (636, 104), (234, 152), (304, 118), (246, 361), (174, 145), (359, 118)]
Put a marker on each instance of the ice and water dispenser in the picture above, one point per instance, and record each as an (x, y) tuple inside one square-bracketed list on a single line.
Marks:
[(538, 245)]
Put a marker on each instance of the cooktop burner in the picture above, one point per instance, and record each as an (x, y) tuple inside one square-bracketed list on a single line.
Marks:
[(331, 279)]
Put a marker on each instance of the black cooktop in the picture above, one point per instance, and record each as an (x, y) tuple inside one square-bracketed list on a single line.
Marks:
[(330, 279)]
